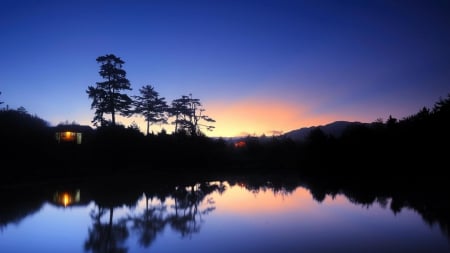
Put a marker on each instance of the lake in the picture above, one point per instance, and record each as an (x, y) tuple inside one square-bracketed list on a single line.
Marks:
[(231, 215)]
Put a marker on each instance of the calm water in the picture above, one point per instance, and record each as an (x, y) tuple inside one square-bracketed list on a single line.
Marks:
[(227, 216)]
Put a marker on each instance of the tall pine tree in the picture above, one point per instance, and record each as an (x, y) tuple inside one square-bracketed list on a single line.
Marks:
[(150, 105), (107, 96)]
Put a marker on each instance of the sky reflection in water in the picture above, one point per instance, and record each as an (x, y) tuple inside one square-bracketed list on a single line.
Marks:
[(234, 220)]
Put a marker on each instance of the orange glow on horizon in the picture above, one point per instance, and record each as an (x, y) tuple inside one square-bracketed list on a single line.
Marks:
[(238, 199), (258, 117)]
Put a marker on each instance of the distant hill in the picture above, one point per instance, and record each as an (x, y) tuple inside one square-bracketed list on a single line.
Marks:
[(335, 129)]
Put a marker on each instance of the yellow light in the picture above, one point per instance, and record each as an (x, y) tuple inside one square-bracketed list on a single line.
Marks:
[(67, 134), (66, 199)]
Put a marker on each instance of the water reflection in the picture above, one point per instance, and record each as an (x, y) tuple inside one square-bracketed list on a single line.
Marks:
[(66, 198), (183, 212), (106, 236), (150, 222), (258, 213), (187, 217)]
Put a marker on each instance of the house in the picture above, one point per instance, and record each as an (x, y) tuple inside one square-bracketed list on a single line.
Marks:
[(75, 134)]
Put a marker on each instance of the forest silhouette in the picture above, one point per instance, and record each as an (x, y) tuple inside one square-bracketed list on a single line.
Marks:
[(378, 149), (415, 146)]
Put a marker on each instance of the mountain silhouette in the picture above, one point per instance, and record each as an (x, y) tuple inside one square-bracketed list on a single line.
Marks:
[(334, 129)]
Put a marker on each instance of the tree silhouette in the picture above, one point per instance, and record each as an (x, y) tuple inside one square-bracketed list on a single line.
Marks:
[(1, 102), (442, 106), (177, 110), (106, 96), (391, 121), (151, 106), (22, 110), (188, 115), (98, 97)]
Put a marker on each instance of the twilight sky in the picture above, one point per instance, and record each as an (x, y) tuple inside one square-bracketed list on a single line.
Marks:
[(258, 67)]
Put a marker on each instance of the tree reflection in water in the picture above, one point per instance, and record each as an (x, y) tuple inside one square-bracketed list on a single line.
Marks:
[(182, 206), (191, 202), (187, 217), (106, 237), (149, 223)]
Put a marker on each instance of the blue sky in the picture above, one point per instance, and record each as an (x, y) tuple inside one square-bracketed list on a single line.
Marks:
[(258, 67)]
